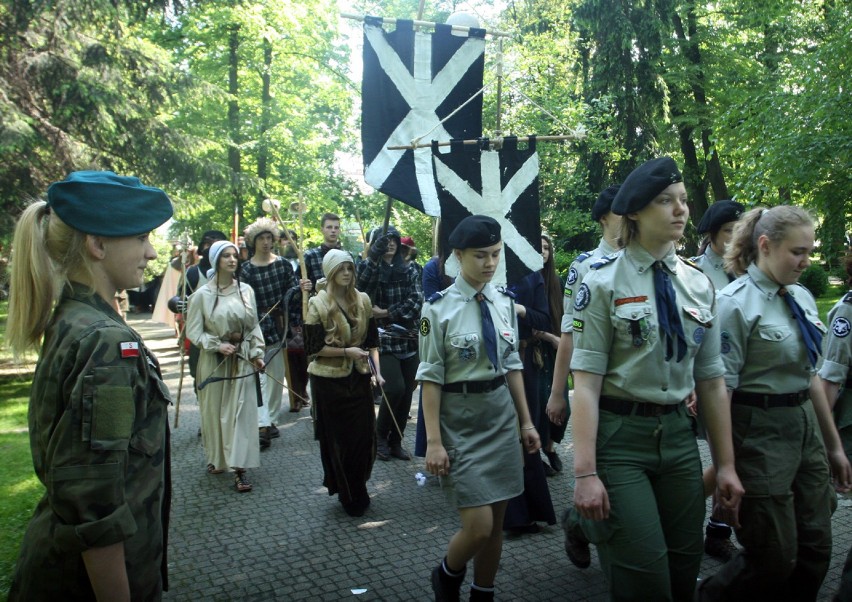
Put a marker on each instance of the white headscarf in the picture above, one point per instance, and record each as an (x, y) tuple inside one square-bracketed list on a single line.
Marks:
[(213, 255)]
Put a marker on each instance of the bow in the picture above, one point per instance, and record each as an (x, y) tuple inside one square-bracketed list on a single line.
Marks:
[(266, 359)]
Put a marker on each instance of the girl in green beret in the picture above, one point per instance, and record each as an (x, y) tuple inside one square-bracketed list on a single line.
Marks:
[(98, 407)]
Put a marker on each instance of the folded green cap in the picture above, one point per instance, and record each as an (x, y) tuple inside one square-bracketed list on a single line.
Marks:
[(105, 204)]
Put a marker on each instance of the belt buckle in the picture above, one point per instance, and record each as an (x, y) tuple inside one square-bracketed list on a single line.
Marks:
[(657, 410)]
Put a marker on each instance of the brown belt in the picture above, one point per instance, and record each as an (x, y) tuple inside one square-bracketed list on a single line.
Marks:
[(767, 400), (644, 409)]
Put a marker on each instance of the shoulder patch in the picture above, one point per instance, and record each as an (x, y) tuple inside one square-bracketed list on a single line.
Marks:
[(507, 292), (573, 275), (129, 349), (605, 260), (425, 326), (435, 297), (584, 296), (841, 327)]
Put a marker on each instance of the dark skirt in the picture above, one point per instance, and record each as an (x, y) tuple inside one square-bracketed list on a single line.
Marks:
[(346, 431), (535, 503)]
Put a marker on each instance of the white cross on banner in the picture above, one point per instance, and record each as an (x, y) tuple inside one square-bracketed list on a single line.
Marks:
[(411, 81), (501, 184)]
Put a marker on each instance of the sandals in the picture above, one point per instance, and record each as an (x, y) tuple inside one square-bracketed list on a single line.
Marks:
[(213, 470), (241, 482)]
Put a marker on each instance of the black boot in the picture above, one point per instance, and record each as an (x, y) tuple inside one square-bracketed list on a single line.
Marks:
[(446, 586)]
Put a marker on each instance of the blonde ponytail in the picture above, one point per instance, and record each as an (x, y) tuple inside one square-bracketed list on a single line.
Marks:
[(773, 223), (44, 251)]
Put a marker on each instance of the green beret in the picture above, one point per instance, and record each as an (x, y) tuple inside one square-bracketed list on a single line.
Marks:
[(105, 204), (719, 214), (475, 232), (604, 202), (644, 183)]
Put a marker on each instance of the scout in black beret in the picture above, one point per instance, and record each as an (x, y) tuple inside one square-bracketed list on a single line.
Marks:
[(475, 232), (644, 183), (603, 204), (719, 214), (105, 204)]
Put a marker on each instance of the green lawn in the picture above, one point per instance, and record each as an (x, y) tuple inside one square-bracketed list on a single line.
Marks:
[(20, 490), (827, 301)]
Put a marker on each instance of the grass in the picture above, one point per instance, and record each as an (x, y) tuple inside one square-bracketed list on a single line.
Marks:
[(827, 301), (20, 490)]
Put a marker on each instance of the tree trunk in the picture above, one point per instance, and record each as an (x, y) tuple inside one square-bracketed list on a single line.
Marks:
[(265, 111), (234, 160)]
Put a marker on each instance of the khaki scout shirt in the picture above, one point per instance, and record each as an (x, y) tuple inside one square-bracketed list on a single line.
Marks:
[(617, 333), (99, 438), (576, 273), (714, 266), (762, 346), (837, 345), (452, 348)]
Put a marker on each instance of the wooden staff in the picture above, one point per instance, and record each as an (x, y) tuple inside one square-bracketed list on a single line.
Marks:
[(184, 255), (578, 134), (304, 269), (429, 24), (272, 206)]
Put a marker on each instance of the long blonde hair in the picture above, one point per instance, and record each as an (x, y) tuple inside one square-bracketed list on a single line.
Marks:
[(46, 252), (351, 302), (774, 223)]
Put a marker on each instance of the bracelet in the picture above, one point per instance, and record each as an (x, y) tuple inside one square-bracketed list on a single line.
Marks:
[(344, 352), (527, 428), (583, 476)]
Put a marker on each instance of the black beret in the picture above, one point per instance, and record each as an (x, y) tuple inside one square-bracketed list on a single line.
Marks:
[(211, 236), (719, 214), (105, 204), (475, 232), (374, 234), (644, 183), (604, 202)]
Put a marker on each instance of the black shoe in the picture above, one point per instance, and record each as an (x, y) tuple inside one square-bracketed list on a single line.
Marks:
[(399, 452), (576, 547), (529, 529), (354, 509), (553, 459), (446, 588), (273, 432), (720, 547), (263, 435), (382, 451), (548, 470)]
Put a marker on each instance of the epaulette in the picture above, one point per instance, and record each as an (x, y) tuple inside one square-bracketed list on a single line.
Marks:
[(691, 263), (733, 287), (435, 296), (507, 292), (847, 298), (583, 256), (605, 260)]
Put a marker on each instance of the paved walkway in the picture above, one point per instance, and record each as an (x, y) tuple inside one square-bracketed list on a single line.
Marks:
[(288, 540)]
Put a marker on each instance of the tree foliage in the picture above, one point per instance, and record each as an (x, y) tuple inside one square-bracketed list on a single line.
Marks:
[(227, 103)]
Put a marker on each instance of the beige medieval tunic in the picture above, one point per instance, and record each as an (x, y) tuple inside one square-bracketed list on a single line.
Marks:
[(229, 407)]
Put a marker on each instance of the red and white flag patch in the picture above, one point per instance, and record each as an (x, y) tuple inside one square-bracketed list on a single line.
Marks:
[(129, 349)]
